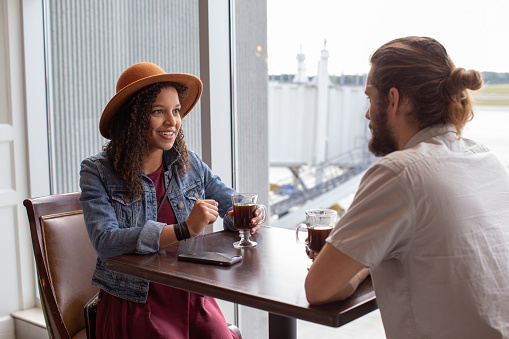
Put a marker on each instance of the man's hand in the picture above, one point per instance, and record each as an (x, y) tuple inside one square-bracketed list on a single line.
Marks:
[(333, 276)]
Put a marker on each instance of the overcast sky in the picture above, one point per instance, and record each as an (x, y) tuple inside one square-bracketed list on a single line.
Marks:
[(474, 32)]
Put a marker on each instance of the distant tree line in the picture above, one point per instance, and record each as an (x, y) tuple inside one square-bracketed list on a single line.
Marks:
[(356, 80), (494, 78), (282, 77)]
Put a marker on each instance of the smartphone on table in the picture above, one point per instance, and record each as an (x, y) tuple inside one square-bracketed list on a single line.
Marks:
[(210, 258)]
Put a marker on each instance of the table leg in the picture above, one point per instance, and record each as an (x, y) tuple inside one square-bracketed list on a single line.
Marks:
[(281, 327)]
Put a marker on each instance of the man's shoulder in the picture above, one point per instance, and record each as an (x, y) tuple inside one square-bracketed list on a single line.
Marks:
[(399, 160)]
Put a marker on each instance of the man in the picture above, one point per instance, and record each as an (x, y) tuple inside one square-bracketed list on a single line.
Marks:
[(430, 220)]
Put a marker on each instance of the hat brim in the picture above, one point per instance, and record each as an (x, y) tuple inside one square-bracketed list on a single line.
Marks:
[(193, 84)]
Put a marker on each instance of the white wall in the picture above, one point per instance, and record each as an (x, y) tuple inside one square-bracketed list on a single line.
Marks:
[(17, 287)]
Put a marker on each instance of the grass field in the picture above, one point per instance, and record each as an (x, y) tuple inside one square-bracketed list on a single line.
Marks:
[(491, 102), (499, 93), (495, 89)]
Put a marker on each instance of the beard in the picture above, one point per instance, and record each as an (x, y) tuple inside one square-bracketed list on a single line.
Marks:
[(382, 141)]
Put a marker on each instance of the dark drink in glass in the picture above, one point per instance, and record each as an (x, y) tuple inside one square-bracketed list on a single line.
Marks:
[(244, 206), (319, 224), (243, 213), (317, 235)]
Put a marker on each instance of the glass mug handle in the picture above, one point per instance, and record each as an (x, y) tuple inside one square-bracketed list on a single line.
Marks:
[(297, 233), (264, 213)]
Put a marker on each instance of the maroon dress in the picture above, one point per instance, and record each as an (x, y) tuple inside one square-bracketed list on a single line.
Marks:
[(168, 312)]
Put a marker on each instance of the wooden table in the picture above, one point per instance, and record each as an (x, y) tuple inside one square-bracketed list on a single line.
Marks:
[(270, 277)]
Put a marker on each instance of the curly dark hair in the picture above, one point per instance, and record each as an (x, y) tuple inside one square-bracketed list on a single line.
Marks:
[(130, 139)]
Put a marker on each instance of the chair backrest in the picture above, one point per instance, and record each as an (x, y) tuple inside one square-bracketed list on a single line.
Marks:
[(65, 261)]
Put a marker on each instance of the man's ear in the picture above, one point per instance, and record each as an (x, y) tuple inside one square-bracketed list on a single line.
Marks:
[(394, 101)]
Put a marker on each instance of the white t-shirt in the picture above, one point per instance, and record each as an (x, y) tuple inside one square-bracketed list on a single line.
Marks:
[(432, 224)]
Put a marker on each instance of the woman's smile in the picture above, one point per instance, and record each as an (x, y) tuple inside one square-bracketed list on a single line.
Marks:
[(167, 134)]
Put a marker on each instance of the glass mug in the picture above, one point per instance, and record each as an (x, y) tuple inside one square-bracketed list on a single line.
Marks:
[(319, 223), (244, 206)]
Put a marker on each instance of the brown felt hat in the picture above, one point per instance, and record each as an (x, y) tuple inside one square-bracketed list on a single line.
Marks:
[(141, 75)]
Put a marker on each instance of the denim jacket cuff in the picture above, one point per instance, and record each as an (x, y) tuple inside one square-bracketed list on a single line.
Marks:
[(148, 241), (228, 222)]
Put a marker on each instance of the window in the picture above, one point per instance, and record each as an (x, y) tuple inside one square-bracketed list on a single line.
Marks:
[(318, 62), (4, 116), (318, 59), (90, 43)]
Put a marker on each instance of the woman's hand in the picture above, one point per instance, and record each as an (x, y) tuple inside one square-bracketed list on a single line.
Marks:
[(204, 212), (255, 221)]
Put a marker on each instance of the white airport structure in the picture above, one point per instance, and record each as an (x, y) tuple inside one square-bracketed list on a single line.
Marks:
[(317, 139)]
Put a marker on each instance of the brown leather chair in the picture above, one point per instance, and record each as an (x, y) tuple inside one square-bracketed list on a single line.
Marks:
[(65, 261)]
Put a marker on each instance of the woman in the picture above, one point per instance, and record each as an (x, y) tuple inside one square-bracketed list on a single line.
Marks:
[(146, 191)]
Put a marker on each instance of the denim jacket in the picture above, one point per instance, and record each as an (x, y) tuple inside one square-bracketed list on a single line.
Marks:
[(117, 225)]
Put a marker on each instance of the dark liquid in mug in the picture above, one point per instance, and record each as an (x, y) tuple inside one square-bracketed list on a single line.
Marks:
[(317, 236), (242, 214)]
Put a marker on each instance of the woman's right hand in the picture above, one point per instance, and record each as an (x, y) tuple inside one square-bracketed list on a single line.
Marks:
[(204, 212)]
